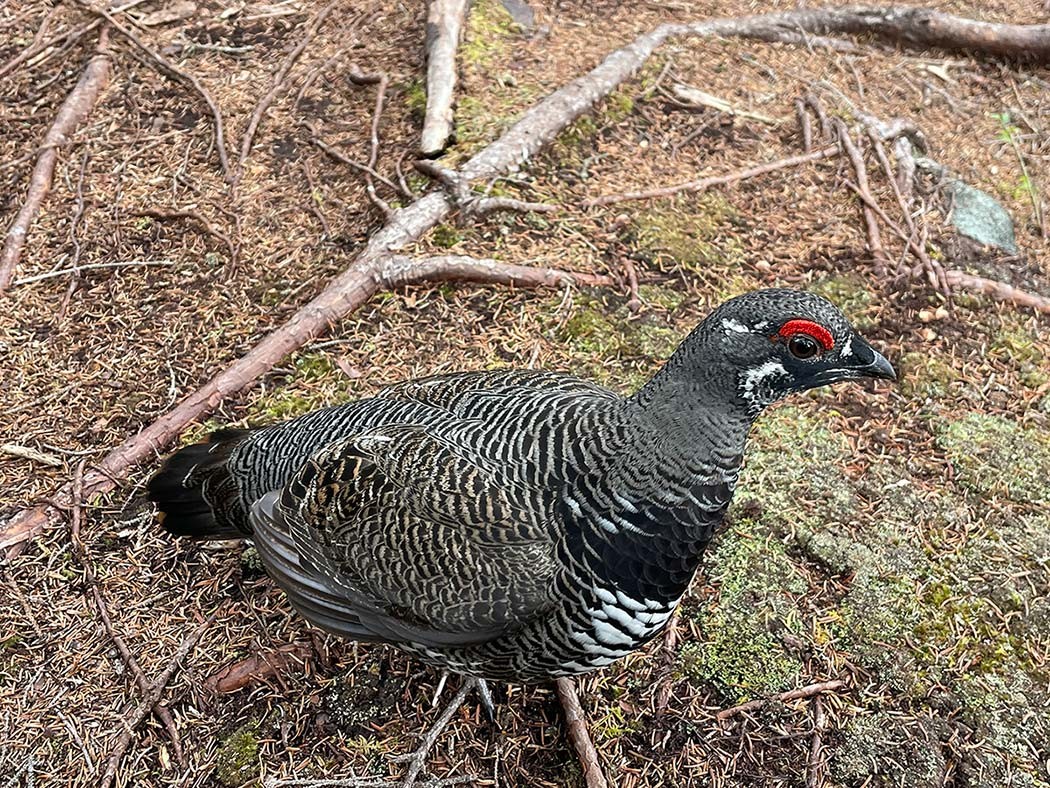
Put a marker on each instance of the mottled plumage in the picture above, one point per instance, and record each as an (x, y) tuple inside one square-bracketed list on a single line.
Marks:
[(516, 525)]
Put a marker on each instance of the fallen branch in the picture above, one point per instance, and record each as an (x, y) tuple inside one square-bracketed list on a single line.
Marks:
[(714, 180), (444, 26), (537, 128), (259, 668), (280, 84), (1000, 291), (796, 694), (71, 115), (576, 729), (151, 699)]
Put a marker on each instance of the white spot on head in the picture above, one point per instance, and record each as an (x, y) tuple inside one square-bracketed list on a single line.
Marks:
[(847, 348), (729, 325), (754, 378)]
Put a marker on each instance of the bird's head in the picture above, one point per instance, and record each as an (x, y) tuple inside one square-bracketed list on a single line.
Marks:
[(776, 342)]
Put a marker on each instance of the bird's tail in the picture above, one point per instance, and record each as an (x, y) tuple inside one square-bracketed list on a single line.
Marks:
[(190, 486)]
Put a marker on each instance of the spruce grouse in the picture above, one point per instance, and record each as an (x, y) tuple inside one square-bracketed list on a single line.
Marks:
[(515, 525)]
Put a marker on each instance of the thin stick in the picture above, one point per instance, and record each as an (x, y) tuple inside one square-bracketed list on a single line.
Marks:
[(368, 171), (871, 224), (815, 763), (151, 699), (804, 125), (280, 84), (795, 694), (486, 205), (1000, 291), (381, 80), (71, 115), (668, 654), (537, 128), (576, 729), (80, 551), (313, 200), (444, 27), (27, 280), (173, 71), (715, 180), (174, 213), (34, 46)]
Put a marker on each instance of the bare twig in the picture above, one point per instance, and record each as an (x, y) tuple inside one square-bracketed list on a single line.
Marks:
[(871, 225), (175, 213), (796, 694), (366, 169), (715, 180), (34, 46), (483, 206), (28, 280), (313, 200), (1000, 291), (530, 134), (280, 84), (381, 81), (151, 699), (815, 763), (576, 729), (173, 71), (444, 26), (804, 125), (668, 654), (71, 114)]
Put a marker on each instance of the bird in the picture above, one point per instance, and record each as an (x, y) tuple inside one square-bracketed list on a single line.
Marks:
[(513, 525)]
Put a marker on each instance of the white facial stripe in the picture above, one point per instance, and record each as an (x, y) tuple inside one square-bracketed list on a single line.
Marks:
[(847, 348), (731, 325)]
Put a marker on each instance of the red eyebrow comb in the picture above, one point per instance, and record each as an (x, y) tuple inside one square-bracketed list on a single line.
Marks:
[(815, 330)]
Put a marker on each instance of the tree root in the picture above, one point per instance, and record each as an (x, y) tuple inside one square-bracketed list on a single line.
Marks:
[(71, 115)]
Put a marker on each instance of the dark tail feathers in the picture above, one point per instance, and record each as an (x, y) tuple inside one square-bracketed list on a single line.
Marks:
[(178, 488)]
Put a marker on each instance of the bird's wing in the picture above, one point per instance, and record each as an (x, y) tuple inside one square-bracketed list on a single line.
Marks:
[(411, 537)]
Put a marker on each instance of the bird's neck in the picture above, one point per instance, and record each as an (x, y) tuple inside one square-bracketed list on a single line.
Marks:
[(668, 471)]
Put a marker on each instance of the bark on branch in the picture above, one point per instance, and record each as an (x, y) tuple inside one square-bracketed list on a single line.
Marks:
[(444, 27), (539, 126), (71, 115)]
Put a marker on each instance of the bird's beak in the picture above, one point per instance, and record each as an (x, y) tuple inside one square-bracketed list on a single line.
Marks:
[(872, 363), (859, 360)]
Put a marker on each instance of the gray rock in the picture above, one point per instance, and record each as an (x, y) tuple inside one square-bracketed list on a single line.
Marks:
[(521, 13), (978, 215)]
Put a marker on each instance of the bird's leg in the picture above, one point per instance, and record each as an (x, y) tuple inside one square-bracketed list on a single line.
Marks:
[(417, 760), (486, 700)]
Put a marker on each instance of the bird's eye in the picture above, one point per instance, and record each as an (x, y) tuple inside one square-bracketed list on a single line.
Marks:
[(803, 346)]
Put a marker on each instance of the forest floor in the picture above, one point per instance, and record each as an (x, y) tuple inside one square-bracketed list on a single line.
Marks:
[(894, 537)]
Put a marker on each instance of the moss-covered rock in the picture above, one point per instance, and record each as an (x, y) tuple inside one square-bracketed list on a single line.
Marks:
[(741, 652), (688, 231), (997, 458), (886, 750)]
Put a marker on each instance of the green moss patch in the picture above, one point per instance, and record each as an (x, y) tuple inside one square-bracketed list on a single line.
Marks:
[(235, 762), (997, 458)]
